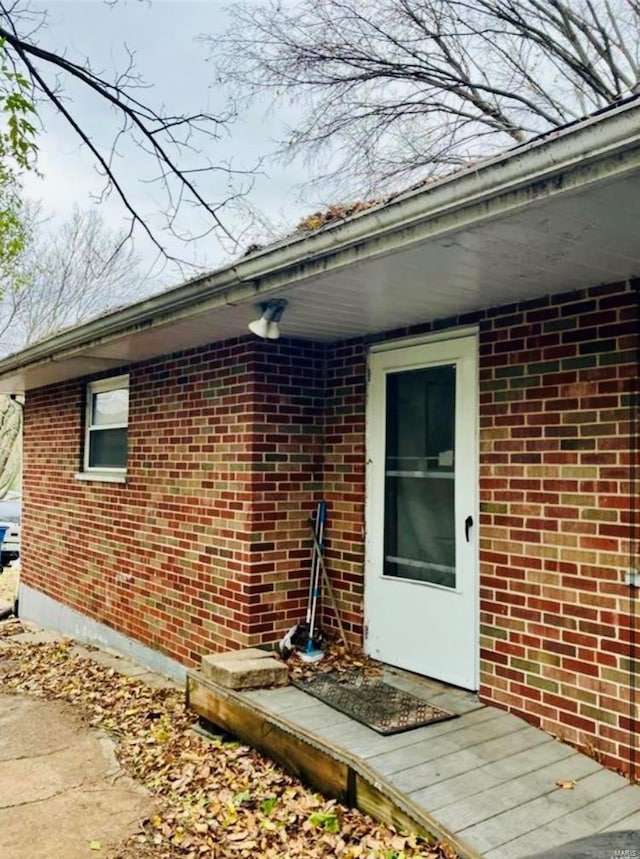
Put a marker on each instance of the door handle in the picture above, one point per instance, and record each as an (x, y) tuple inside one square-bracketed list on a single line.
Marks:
[(468, 522)]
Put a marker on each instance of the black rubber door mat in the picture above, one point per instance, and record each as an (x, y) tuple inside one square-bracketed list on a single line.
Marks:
[(376, 704)]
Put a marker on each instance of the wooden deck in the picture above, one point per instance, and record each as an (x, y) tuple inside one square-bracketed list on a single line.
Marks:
[(486, 781)]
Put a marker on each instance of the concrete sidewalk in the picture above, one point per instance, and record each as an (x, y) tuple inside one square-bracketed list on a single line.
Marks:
[(61, 787), (62, 791)]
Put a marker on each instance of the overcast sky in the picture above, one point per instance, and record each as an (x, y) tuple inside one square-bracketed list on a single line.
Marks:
[(163, 34)]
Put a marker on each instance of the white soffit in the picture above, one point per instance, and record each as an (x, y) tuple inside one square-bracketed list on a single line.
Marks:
[(543, 249)]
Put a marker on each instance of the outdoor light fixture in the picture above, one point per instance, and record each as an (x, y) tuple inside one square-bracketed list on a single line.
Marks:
[(266, 326)]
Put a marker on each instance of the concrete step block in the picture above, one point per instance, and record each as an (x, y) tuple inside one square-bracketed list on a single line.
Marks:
[(245, 669)]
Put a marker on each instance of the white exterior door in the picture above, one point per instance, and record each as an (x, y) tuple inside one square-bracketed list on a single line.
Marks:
[(421, 581)]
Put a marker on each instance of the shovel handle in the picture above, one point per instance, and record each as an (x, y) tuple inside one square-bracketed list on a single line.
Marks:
[(327, 582)]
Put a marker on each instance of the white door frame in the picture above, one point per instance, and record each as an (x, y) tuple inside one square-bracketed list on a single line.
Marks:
[(408, 354)]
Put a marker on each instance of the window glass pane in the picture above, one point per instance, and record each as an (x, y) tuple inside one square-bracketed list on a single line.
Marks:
[(108, 448), (110, 407), (419, 484)]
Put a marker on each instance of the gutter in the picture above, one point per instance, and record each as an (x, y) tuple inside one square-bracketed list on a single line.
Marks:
[(373, 232)]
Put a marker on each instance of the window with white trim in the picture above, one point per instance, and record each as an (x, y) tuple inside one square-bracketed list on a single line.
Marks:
[(107, 419)]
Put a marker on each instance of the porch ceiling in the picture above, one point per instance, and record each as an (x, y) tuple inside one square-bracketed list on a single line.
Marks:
[(566, 229), (554, 246)]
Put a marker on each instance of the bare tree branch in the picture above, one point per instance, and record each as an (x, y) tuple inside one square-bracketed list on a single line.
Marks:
[(70, 273), (166, 137), (389, 89)]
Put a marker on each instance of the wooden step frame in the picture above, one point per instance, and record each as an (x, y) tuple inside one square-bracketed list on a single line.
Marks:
[(314, 760)]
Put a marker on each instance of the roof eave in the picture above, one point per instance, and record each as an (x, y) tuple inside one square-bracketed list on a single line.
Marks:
[(602, 139)]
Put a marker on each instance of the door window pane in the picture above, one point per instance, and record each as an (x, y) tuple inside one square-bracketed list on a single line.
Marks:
[(419, 526)]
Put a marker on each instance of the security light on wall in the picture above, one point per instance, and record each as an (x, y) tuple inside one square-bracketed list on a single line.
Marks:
[(266, 326)]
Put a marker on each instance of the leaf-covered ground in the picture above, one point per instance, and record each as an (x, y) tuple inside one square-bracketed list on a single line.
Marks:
[(215, 798)]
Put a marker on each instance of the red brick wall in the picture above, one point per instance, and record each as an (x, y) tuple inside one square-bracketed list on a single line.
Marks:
[(286, 482), (178, 557), (557, 377), (231, 447)]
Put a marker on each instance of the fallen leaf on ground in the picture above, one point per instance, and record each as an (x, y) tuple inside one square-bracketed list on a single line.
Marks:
[(214, 798), (566, 784)]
